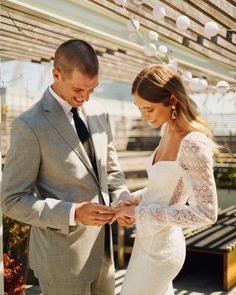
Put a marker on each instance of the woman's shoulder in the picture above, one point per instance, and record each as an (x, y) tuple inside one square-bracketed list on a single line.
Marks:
[(196, 138), (196, 142)]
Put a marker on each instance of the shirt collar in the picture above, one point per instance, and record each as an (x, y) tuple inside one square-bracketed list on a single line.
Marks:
[(64, 104)]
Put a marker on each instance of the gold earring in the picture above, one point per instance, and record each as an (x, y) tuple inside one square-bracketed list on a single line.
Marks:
[(174, 113)]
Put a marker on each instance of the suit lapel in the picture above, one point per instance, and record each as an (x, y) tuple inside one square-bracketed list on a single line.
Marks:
[(97, 136), (57, 117)]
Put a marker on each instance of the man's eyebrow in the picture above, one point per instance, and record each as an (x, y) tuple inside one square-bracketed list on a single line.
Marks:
[(79, 88)]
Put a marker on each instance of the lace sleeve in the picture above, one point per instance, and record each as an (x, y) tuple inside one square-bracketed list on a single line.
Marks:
[(196, 162)]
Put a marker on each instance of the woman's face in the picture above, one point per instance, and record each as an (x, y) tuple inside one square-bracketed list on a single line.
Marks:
[(155, 113)]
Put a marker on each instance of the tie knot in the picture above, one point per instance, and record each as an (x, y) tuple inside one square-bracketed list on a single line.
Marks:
[(74, 111)]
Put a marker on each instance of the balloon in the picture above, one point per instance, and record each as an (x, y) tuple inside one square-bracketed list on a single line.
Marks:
[(211, 29), (187, 75), (222, 86), (150, 49), (153, 35), (159, 11), (173, 67), (183, 22), (195, 84), (162, 49), (133, 25), (203, 83)]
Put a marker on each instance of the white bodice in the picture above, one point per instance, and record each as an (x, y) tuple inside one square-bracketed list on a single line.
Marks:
[(163, 177), (180, 192)]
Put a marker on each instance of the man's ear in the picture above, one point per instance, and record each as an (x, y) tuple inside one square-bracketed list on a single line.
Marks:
[(56, 74)]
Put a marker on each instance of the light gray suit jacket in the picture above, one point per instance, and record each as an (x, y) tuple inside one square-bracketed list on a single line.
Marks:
[(46, 170)]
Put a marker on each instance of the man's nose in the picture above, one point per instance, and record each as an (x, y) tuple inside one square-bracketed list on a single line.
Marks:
[(85, 96)]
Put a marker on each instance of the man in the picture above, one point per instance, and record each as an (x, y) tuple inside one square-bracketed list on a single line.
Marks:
[(60, 173)]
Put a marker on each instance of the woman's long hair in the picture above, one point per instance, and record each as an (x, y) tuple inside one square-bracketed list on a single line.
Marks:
[(157, 83)]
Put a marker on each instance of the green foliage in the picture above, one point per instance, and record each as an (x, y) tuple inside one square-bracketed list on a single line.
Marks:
[(225, 170), (15, 237), (225, 177)]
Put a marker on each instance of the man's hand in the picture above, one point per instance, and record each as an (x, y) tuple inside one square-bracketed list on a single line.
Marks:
[(93, 214)]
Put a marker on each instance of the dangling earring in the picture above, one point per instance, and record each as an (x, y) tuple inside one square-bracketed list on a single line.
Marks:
[(174, 113)]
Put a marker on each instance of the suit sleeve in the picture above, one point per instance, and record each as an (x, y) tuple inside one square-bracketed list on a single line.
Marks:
[(116, 181), (18, 184)]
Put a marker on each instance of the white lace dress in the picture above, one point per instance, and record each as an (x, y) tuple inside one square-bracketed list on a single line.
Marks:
[(179, 193)]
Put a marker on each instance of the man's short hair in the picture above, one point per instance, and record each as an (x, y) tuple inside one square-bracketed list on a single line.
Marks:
[(78, 55)]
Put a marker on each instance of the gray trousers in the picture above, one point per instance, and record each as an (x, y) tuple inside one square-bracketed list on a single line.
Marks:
[(104, 284)]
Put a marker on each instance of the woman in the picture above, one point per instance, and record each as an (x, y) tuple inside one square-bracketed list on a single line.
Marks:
[(181, 188)]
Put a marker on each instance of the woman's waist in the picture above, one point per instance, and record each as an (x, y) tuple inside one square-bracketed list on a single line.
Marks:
[(164, 240), (163, 231)]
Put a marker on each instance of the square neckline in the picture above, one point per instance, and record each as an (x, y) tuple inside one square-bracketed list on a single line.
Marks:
[(181, 142)]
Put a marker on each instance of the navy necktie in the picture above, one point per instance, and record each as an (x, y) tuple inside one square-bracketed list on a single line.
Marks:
[(80, 127)]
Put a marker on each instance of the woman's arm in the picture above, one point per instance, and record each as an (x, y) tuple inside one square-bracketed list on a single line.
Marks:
[(195, 160)]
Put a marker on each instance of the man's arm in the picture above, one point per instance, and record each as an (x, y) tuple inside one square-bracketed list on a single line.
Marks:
[(19, 177)]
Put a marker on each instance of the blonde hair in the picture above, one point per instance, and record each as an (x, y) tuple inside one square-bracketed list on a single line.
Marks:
[(157, 83)]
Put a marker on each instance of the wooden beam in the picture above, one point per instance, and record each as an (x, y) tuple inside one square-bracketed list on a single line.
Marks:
[(147, 21), (193, 11), (221, 11), (211, 54)]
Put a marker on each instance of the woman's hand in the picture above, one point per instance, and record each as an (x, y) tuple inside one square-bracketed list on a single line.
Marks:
[(123, 211), (133, 200)]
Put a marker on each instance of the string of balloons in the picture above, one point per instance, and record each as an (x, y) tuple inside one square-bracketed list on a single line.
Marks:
[(183, 23)]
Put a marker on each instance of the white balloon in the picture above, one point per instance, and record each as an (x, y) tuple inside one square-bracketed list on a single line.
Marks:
[(133, 25), (173, 67), (120, 2), (159, 11), (204, 84), (211, 29), (195, 84), (150, 49), (187, 75), (138, 1), (222, 86), (183, 22), (153, 35), (172, 61), (162, 49)]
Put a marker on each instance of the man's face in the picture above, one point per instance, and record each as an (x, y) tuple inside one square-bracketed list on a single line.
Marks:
[(75, 88)]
